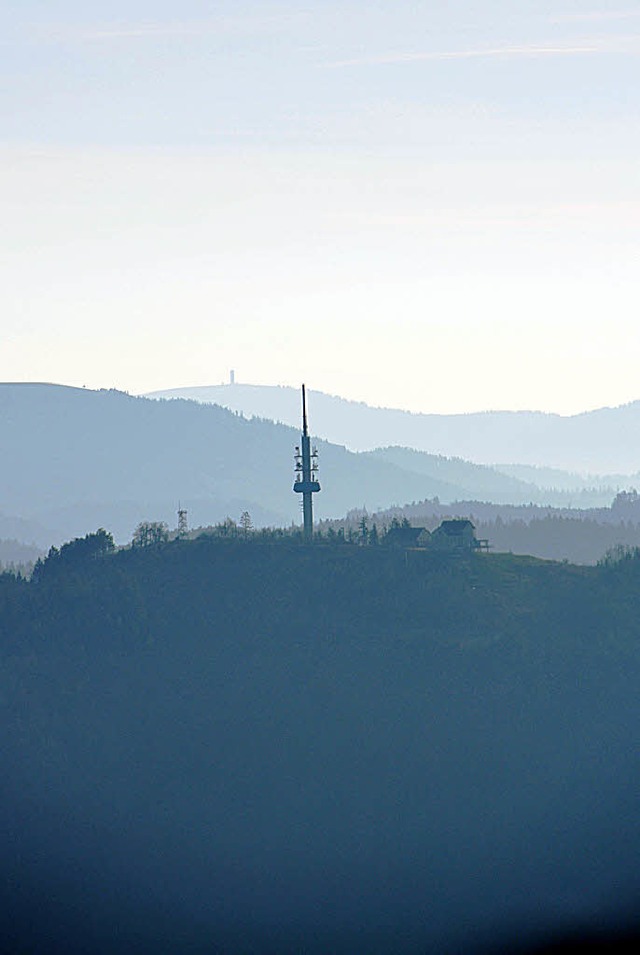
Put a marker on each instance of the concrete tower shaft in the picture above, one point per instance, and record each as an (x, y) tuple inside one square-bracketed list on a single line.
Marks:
[(306, 466)]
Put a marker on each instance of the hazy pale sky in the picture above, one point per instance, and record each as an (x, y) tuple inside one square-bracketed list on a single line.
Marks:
[(430, 205)]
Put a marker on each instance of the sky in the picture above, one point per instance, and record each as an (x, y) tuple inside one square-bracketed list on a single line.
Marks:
[(426, 205)]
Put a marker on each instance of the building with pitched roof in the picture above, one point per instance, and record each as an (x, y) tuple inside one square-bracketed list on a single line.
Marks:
[(456, 534)]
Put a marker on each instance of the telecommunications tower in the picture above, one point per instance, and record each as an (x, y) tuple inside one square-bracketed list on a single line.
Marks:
[(306, 466)]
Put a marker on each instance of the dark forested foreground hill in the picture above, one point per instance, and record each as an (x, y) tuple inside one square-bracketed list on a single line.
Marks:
[(234, 746)]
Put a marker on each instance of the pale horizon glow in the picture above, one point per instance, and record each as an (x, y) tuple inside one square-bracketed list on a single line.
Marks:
[(459, 233)]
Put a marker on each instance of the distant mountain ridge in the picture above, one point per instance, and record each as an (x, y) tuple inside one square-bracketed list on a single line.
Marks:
[(76, 459), (603, 441)]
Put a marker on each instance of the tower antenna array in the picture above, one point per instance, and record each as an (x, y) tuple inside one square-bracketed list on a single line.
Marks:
[(183, 527), (306, 467)]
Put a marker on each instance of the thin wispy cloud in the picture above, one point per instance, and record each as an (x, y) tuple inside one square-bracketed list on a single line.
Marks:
[(504, 52)]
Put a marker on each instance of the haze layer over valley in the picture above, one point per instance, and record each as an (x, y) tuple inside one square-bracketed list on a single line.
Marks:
[(77, 459), (600, 442)]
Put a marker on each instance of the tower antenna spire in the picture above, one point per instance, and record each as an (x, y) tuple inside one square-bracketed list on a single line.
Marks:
[(305, 430), (306, 466)]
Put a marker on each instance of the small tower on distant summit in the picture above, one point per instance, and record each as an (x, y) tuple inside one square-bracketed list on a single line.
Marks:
[(306, 466), (232, 377)]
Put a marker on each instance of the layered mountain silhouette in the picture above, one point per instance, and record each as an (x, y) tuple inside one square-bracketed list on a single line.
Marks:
[(509, 484), (599, 442), (75, 459)]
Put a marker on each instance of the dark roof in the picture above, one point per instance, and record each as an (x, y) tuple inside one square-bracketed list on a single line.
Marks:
[(456, 526), (403, 535)]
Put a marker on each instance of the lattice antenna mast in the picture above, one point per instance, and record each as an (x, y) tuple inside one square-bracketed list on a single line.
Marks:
[(183, 526), (306, 467)]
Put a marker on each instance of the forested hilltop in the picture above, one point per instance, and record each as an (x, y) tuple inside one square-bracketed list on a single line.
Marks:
[(552, 533), (246, 744), (75, 459)]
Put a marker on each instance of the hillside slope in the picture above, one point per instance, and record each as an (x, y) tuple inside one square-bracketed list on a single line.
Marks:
[(463, 480), (601, 442), (75, 459), (239, 747)]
